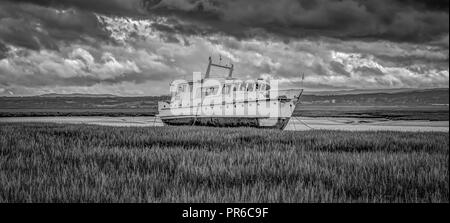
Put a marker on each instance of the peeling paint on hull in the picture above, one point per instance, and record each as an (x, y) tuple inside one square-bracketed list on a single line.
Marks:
[(273, 123)]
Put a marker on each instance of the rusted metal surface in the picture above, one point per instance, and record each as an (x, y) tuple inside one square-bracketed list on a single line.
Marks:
[(225, 122)]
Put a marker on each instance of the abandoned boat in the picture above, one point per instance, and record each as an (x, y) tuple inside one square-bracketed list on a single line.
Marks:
[(228, 102)]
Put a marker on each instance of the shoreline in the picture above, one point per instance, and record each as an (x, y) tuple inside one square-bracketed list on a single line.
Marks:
[(296, 123)]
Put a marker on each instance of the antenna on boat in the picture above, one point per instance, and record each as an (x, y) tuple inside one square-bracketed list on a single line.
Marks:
[(303, 78), (231, 71), (209, 68)]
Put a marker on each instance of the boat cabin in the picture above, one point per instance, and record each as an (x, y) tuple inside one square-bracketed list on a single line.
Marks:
[(227, 101), (225, 90)]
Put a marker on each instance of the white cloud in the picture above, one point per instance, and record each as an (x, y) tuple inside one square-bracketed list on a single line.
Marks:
[(154, 62)]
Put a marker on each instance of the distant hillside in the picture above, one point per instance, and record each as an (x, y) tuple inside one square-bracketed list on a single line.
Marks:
[(399, 98), (54, 95), (75, 101), (428, 97), (365, 91), (429, 104)]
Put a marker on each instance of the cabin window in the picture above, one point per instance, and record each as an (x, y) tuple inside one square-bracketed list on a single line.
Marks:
[(183, 88), (261, 87), (250, 86), (213, 90), (243, 87), (204, 92), (207, 91), (226, 89), (176, 93)]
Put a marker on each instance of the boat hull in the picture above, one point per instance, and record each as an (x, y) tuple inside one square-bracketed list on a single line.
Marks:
[(257, 122)]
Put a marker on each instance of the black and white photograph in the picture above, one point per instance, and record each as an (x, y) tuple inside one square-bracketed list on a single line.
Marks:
[(230, 102)]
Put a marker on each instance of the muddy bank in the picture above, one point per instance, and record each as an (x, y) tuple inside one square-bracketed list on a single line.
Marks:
[(296, 123)]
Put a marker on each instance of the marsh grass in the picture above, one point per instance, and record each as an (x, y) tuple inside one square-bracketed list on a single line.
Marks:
[(79, 163)]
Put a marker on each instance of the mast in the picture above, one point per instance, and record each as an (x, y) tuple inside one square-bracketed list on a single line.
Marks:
[(231, 71), (210, 63), (209, 68)]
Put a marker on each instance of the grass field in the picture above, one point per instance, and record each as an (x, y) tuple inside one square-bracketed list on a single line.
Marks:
[(78, 163), (432, 113)]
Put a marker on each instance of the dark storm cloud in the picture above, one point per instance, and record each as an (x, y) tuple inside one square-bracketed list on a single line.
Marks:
[(3, 50), (400, 20), (50, 79), (442, 5), (336, 43), (115, 7), (368, 71), (339, 68), (440, 63), (186, 29), (318, 69), (35, 27), (90, 80)]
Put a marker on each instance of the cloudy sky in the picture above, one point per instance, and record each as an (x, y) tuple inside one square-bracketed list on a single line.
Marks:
[(136, 47)]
